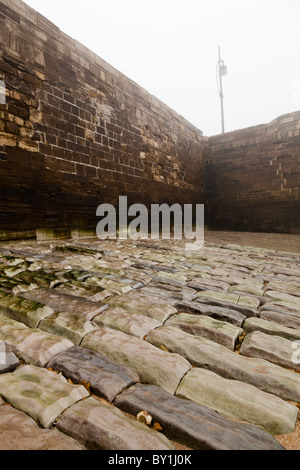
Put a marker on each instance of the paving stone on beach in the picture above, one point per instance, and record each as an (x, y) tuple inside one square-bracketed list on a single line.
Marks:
[(70, 326), (130, 323), (32, 345), (237, 400), (153, 365), (201, 325), (99, 426), (219, 313), (207, 354), (192, 424), (26, 311), (270, 328), (275, 349), (60, 302), (40, 393), (20, 432), (106, 377), (159, 310), (171, 294)]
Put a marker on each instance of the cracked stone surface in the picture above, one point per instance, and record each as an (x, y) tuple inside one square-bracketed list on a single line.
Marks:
[(207, 342)]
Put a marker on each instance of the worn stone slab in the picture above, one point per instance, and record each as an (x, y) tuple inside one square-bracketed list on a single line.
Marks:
[(290, 320), (169, 293), (32, 345), (130, 323), (111, 285), (219, 313), (60, 302), (277, 295), (199, 283), (99, 426), (200, 325), (40, 393), (8, 360), (20, 432), (246, 289), (237, 400), (275, 349), (270, 328), (153, 365), (202, 352), (106, 377), (245, 304), (159, 310), (70, 326), (191, 424), (79, 289), (26, 311)]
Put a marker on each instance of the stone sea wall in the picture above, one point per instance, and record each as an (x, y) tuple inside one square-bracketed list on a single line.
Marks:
[(76, 133), (253, 177)]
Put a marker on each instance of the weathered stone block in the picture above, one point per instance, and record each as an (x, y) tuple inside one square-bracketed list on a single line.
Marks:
[(41, 394), (106, 377), (153, 365), (129, 323), (192, 424), (20, 432), (207, 327), (204, 353), (271, 348), (103, 427), (237, 400)]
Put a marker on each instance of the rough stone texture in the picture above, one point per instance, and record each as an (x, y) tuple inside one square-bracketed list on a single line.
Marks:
[(20, 432), (8, 360), (40, 393), (202, 352), (70, 326), (219, 313), (130, 323), (237, 400), (26, 311), (78, 121), (272, 348), (150, 363), (32, 345), (161, 311), (255, 168), (191, 424), (106, 377), (201, 325), (60, 302), (101, 426), (229, 267), (271, 328)]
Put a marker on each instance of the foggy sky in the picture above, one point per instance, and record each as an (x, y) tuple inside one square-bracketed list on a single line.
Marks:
[(170, 48)]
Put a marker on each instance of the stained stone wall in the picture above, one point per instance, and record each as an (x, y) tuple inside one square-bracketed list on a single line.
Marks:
[(75, 133), (253, 178)]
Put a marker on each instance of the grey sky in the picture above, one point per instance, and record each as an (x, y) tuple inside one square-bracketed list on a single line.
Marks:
[(170, 48)]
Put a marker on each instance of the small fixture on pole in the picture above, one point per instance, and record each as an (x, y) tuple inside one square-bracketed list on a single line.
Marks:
[(221, 72)]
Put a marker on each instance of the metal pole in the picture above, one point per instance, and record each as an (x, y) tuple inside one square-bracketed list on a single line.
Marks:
[(221, 92)]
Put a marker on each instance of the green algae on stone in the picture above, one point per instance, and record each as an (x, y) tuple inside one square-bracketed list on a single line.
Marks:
[(70, 326), (40, 393), (26, 311)]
